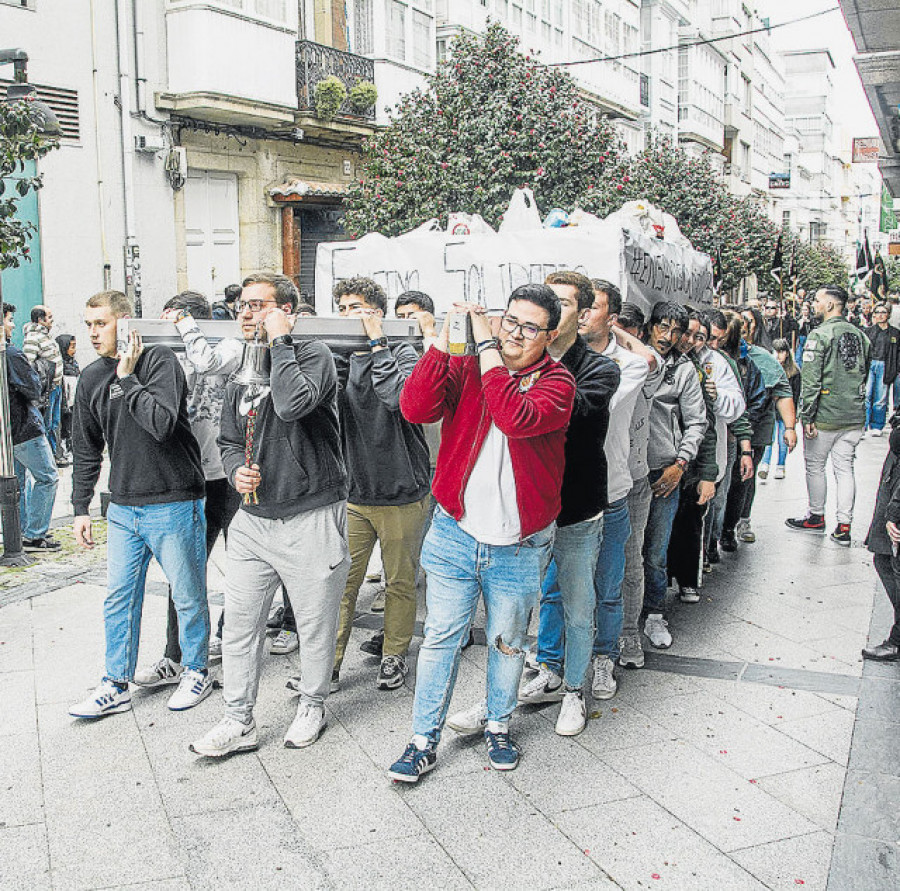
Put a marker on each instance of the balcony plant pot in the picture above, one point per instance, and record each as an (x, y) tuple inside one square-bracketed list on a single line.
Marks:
[(363, 95), (330, 95)]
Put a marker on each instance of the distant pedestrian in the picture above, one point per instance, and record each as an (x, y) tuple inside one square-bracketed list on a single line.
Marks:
[(883, 367), (223, 310), (43, 353), (71, 372), (785, 357)]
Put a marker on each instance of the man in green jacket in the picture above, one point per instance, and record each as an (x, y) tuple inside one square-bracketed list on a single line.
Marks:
[(833, 410)]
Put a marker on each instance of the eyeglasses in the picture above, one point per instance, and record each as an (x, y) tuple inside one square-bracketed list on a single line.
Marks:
[(529, 331), (666, 328), (253, 305)]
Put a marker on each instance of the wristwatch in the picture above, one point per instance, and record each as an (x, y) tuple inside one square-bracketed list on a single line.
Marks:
[(748, 454), (378, 342), (283, 338)]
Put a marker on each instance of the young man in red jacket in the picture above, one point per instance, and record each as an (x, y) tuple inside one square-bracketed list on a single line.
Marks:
[(497, 483)]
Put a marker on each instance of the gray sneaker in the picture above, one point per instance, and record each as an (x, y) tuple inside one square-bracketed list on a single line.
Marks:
[(631, 653), (603, 680), (293, 683), (284, 643), (159, 674), (743, 532), (657, 630)]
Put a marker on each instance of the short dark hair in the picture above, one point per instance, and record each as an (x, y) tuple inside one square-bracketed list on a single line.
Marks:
[(836, 292), (285, 290), (306, 308), (7, 309), (191, 301), (705, 321), (542, 296), (416, 298), (584, 287), (370, 291), (38, 314), (669, 309), (717, 318), (631, 316), (613, 294), (232, 292)]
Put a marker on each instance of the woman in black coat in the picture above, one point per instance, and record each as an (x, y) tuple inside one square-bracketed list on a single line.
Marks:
[(883, 540)]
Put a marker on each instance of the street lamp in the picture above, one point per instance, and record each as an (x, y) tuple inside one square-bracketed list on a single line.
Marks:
[(47, 123)]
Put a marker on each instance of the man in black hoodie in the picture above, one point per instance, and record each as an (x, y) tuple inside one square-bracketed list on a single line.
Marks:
[(135, 403), (281, 450)]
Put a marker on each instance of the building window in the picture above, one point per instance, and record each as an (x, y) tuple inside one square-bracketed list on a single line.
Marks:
[(747, 88), (817, 232), (421, 39), (645, 90), (397, 31), (745, 162), (363, 27), (785, 219)]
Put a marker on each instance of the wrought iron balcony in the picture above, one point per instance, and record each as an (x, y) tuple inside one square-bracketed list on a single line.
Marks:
[(315, 62)]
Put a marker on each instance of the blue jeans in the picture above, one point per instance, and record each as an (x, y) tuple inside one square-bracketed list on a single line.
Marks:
[(459, 570), (779, 440), (37, 488), (566, 627), (656, 547), (876, 396), (176, 535), (798, 353), (608, 579), (53, 417)]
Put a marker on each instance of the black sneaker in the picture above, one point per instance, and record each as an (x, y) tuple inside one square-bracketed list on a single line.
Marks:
[(374, 646), (712, 554), (392, 672), (809, 523), (841, 534), (728, 542), (40, 545), (276, 621), (413, 763)]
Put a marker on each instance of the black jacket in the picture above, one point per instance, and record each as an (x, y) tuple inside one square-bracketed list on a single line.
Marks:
[(584, 480), (387, 456), (892, 357), (24, 391), (887, 502), (153, 456), (296, 439)]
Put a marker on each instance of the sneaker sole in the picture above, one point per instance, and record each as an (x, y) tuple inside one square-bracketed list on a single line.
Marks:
[(632, 663), (163, 682), (121, 707), (843, 544), (281, 652), (390, 685), (798, 529), (243, 747), (207, 690), (302, 744), (660, 646), (689, 598), (495, 766), (573, 732), (333, 687), (602, 694), (406, 778), (555, 696)]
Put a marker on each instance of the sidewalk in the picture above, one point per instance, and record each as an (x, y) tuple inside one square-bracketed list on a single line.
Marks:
[(723, 765)]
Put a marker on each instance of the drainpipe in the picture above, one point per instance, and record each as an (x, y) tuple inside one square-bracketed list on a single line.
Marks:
[(132, 251), (101, 185)]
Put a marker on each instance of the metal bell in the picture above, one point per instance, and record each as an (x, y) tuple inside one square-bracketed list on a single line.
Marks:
[(256, 364)]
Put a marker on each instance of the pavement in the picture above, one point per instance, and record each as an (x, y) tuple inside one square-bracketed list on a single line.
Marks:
[(758, 752)]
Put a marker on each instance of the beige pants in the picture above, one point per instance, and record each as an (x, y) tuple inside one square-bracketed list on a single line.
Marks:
[(398, 529)]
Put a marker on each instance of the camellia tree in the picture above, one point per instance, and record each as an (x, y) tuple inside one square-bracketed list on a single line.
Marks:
[(21, 141), (490, 120)]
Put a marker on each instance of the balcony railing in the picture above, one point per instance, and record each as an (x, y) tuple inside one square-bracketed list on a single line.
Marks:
[(315, 62)]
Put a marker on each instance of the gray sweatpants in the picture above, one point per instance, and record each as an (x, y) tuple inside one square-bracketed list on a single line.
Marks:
[(841, 445), (633, 583), (306, 553)]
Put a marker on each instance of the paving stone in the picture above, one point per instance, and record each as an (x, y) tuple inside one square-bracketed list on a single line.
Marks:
[(495, 836), (879, 698), (639, 845), (21, 788), (24, 858), (870, 806), (620, 726), (15, 638), (876, 746), (418, 861), (863, 864), (639, 686), (741, 742), (704, 793), (829, 734), (19, 709), (253, 847), (791, 863), (814, 792)]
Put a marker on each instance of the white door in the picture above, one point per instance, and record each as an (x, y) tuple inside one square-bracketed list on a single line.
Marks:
[(211, 227)]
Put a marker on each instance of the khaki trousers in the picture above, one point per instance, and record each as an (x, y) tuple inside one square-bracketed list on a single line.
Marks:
[(398, 529)]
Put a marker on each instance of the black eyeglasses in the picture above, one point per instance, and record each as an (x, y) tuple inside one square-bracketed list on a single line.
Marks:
[(529, 331), (253, 305)]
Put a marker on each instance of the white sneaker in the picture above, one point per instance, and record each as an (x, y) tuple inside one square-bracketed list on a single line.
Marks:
[(603, 683), (657, 630), (107, 699), (531, 662), (763, 472), (875, 432), (572, 715), (226, 737), (378, 601), (307, 726), (546, 686), (215, 647), (469, 721), (743, 532), (689, 595), (195, 686), (285, 642), (159, 674), (779, 473)]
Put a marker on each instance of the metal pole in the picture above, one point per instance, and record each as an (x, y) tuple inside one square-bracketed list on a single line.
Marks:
[(9, 484)]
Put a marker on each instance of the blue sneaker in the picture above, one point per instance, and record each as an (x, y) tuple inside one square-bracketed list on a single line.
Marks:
[(413, 763), (503, 753)]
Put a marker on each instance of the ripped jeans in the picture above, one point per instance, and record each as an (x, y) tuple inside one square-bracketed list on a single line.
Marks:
[(459, 570)]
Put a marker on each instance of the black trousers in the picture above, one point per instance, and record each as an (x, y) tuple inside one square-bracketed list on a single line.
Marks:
[(890, 578), (685, 554), (742, 492), (222, 503)]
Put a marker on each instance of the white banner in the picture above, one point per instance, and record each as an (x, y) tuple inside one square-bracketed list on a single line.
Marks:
[(486, 268)]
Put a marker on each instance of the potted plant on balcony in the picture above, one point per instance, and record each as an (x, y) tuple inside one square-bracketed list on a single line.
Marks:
[(330, 96), (363, 95)]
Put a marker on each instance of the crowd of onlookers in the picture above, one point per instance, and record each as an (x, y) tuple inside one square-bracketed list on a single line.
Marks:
[(576, 456)]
